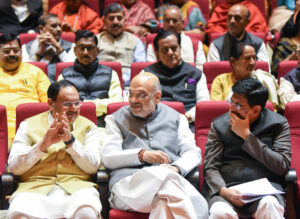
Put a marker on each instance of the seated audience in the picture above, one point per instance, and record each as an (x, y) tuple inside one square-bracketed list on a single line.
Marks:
[(217, 22), (289, 87), (242, 61), (19, 82), (237, 20), (149, 148), (179, 80), (139, 17), (118, 45), (76, 15), (20, 16), (48, 47), (288, 43), (192, 17), (55, 153), (173, 21), (247, 143), (95, 82)]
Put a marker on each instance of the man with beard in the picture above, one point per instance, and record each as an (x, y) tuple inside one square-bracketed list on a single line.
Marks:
[(173, 21), (19, 82), (149, 149), (179, 80), (48, 47), (118, 45), (237, 20), (95, 82), (55, 153), (245, 144), (243, 61)]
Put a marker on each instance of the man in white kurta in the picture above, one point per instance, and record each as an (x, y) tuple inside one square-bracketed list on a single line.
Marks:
[(55, 153), (149, 149)]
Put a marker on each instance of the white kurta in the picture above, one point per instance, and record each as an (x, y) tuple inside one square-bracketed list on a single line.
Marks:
[(157, 190), (58, 203)]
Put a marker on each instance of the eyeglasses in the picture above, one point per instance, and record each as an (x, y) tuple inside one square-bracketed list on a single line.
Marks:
[(139, 95), (7, 50), (89, 48), (237, 106), (75, 103)]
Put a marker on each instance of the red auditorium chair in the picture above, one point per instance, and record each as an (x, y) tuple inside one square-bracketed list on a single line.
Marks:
[(119, 214), (68, 36), (41, 65), (213, 36), (27, 37), (116, 66), (291, 112), (3, 138), (93, 4), (213, 69), (26, 110), (284, 67)]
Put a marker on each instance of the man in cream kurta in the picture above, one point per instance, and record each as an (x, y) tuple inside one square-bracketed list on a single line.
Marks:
[(149, 149), (55, 153)]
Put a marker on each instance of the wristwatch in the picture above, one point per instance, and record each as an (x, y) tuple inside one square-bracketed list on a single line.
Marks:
[(70, 141)]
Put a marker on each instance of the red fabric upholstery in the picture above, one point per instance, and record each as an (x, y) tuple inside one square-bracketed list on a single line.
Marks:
[(3, 138), (41, 65), (119, 214), (27, 37), (93, 4), (137, 67), (113, 107), (284, 67), (68, 36), (259, 3), (27, 110), (213, 69), (116, 66), (291, 112), (151, 3), (213, 36)]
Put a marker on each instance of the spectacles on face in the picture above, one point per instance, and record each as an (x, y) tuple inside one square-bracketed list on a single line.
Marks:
[(68, 104), (88, 48), (237, 106), (6, 51), (139, 95)]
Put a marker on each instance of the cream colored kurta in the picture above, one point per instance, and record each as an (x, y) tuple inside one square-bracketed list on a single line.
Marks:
[(59, 176), (222, 84), (28, 85)]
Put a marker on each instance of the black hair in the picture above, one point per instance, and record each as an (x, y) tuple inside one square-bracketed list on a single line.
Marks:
[(114, 7), (8, 37), (237, 49), (291, 28), (85, 34), (253, 90), (165, 34), (43, 19), (55, 87)]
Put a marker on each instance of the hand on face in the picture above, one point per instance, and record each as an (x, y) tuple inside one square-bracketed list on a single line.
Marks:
[(58, 131), (156, 157), (240, 126)]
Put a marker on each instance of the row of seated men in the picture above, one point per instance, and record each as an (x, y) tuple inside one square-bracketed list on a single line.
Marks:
[(148, 149)]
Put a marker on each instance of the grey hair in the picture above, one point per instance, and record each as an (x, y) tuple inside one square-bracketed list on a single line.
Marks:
[(176, 8)]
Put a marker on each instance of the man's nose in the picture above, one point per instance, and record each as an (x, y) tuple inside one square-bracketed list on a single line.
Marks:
[(11, 52), (85, 51)]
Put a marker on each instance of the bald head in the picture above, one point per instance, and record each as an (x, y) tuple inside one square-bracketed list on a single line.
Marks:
[(144, 94), (237, 19)]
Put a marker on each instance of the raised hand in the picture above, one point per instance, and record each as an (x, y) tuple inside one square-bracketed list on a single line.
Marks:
[(239, 126)]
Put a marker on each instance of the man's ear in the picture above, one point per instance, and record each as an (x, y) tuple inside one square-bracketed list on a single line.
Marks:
[(40, 28), (231, 61), (157, 96), (256, 111), (156, 53), (50, 103)]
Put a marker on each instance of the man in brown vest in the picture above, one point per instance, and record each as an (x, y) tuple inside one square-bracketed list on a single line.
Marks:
[(55, 153)]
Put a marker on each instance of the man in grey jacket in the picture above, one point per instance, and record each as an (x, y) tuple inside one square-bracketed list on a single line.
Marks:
[(149, 149)]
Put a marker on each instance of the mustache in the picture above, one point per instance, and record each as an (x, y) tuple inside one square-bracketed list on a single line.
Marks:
[(12, 58), (115, 25), (86, 56), (238, 115)]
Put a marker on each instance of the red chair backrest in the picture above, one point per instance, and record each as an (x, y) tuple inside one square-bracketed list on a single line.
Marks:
[(285, 67), (213, 69), (3, 138), (151, 3), (259, 3), (213, 36), (291, 112), (93, 4), (178, 106), (27, 37), (26, 110), (68, 36), (41, 65), (116, 66), (137, 67)]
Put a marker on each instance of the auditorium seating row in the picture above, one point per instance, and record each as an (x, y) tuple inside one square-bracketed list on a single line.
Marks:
[(205, 113)]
